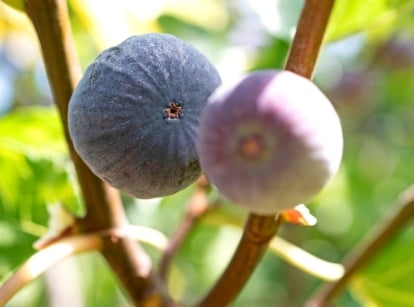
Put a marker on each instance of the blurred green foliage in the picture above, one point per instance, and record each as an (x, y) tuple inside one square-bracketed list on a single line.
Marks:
[(366, 68)]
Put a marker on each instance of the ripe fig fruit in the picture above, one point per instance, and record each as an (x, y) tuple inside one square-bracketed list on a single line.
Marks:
[(270, 141), (133, 116)]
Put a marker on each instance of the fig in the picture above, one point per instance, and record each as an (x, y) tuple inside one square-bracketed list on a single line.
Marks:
[(270, 141), (133, 116)]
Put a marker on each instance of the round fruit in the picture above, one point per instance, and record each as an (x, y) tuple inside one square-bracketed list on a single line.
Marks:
[(269, 142), (133, 116)]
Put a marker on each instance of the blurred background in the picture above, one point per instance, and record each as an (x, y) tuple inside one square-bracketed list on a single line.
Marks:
[(366, 68)]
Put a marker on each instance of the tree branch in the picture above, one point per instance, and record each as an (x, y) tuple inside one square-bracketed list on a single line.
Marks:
[(258, 231), (197, 206), (51, 22), (308, 38), (103, 205), (368, 249), (290, 253)]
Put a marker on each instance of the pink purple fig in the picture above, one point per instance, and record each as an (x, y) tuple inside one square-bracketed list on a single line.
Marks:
[(270, 141), (133, 116)]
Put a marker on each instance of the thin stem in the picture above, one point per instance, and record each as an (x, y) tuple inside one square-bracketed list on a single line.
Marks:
[(258, 232), (292, 254), (368, 249), (301, 259), (147, 235), (45, 259), (197, 207), (308, 38), (103, 205)]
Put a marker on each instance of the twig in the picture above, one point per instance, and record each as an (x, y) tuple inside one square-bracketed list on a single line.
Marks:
[(309, 35), (147, 235), (292, 254), (197, 206), (305, 261), (103, 205), (258, 231), (45, 259), (368, 249)]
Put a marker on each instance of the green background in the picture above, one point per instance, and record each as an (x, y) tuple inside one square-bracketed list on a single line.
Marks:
[(366, 68)]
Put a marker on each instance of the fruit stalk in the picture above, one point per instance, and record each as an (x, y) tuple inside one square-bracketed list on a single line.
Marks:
[(103, 205), (309, 36), (301, 60)]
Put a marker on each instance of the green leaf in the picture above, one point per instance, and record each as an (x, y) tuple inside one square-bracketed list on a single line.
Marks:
[(36, 131), (351, 17), (16, 4), (36, 170), (388, 279)]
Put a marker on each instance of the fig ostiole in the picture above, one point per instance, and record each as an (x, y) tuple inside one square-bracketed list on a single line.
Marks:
[(270, 141), (133, 116)]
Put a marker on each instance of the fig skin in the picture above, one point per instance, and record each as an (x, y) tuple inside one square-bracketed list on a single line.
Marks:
[(134, 114), (270, 141)]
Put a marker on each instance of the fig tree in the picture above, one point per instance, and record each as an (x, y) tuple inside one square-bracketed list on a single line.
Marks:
[(270, 141), (134, 114)]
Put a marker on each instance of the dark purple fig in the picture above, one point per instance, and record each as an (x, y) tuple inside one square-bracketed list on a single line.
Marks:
[(134, 115), (269, 142)]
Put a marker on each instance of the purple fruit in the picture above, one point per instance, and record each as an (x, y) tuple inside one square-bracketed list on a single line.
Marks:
[(269, 142), (133, 116)]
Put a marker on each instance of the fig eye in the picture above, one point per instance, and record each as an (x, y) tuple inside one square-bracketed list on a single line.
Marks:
[(283, 150), (252, 147), (173, 111)]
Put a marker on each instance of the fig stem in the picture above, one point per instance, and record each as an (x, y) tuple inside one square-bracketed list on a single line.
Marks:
[(309, 36), (258, 231), (368, 248), (103, 205), (197, 207), (301, 60), (45, 259)]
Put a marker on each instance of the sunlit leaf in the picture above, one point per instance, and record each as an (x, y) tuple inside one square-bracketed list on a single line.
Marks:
[(34, 130), (351, 17), (388, 279), (34, 164), (208, 14), (16, 4)]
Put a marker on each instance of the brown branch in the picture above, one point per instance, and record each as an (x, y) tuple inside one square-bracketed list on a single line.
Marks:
[(308, 38), (197, 207), (103, 205), (368, 249), (50, 19), (258, 232)]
